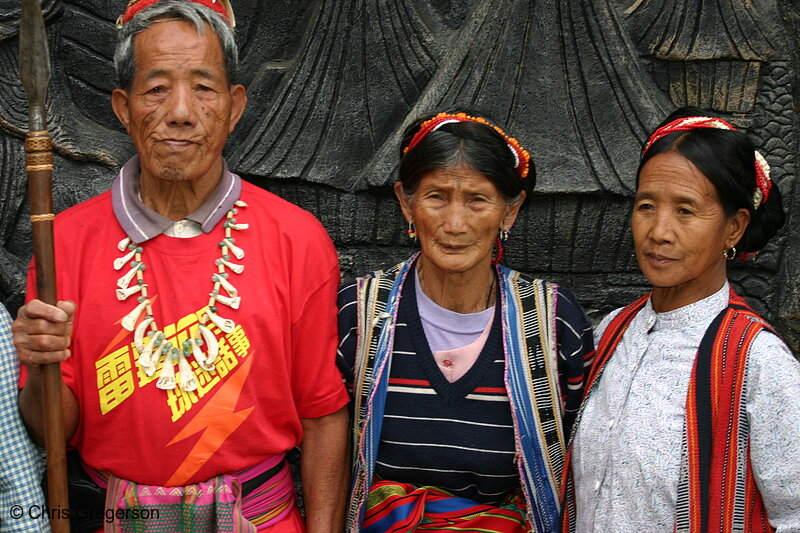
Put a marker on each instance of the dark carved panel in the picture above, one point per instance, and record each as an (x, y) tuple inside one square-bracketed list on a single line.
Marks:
[(723, 85), (710, 29), (331, 85), (710, 51), (542, 71)]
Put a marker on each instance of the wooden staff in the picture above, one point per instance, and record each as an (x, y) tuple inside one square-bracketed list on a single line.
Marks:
[(34, 71)]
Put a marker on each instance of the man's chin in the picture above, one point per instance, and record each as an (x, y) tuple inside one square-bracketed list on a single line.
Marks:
[(173, 174)]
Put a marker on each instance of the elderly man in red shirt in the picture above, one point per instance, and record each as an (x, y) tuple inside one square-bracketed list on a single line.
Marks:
[(196, 325)]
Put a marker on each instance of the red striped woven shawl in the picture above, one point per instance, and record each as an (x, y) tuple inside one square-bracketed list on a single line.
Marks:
[(717, 491)]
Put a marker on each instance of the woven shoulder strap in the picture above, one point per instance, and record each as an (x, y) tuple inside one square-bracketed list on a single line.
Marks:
[(371, 301), (377, 298), (717, 491), (531, 375)]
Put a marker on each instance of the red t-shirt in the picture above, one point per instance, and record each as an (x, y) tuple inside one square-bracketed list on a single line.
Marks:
[(276, 367)]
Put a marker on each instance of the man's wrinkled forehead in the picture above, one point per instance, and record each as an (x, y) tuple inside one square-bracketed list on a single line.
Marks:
[(144, 46)]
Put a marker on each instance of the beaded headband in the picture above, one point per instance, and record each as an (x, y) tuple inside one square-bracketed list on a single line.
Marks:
[(763, 182), (222, 7), (521, 156)]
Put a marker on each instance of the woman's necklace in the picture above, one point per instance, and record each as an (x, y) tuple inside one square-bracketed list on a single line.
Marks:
[(152, 344), (491, 290)]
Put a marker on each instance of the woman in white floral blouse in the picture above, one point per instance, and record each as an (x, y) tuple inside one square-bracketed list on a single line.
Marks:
[(691, 421)]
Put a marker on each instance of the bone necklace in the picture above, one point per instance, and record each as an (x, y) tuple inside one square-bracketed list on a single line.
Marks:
[(151, 344)]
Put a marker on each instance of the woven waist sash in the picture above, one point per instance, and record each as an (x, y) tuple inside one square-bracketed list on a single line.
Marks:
[(400, 507), (214, 505)]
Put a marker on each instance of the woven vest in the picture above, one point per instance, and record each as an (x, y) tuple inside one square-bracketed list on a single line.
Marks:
[(716, 491)]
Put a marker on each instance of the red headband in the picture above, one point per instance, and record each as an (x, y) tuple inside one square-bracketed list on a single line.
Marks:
[(521, 156), (763, 183), (222, 7)]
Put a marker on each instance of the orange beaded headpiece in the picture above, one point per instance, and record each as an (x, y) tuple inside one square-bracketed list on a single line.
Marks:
[(223, 7), (763, 182), (521, 156)]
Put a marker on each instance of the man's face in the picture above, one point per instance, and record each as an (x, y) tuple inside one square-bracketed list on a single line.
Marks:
[(180, 108)]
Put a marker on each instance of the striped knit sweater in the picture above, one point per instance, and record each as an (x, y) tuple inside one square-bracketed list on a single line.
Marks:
[(456, 436)]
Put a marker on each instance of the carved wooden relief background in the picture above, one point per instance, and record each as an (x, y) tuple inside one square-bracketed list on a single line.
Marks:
[(332, 83)]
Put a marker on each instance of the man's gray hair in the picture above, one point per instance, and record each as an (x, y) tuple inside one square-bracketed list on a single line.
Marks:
[(196, 14)]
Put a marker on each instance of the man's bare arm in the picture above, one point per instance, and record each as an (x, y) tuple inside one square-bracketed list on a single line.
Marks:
[(325, 471)]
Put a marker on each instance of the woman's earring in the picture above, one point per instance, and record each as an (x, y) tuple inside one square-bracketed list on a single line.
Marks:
[(729, 253), (499, 244), (412, 231), (502, 236)]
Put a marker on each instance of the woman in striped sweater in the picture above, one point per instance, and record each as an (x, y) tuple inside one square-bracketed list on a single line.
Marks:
[(465, 375), (692, 416)]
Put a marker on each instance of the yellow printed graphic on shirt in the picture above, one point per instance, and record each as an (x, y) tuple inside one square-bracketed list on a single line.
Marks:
[(118, 376)]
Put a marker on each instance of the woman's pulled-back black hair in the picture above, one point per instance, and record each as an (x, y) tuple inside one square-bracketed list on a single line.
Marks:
[(468, 144), (727, 159)]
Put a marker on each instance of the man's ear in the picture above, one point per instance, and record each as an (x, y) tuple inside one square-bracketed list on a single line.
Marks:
[(238, 103), (119, 103)]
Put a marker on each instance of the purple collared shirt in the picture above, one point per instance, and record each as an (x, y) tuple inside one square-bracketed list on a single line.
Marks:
[(141, 223)]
